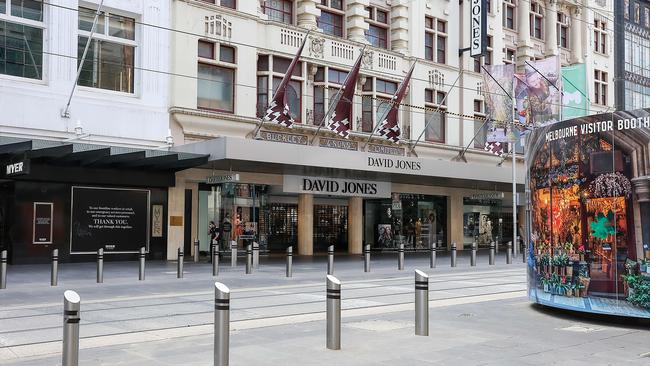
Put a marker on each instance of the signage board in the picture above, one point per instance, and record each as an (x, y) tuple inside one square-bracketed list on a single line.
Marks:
[(386, 150), (216, 179), (114, 219), (338, 144), (17, 168), (336, 187), (157, 221), (42, 223), (287, 138), (478, 28), (487, 196)]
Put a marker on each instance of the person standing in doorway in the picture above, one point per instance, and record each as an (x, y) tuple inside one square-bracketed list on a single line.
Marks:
[(215, 236)]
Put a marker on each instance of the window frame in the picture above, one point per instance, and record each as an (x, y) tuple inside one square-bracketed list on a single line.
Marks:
[(431, 103), (601, 40), (487, 59), (372, 22), (480, 113), (376, 97), (536, 17), (105, 37), (327, 8), (509, 5), (8, 18), (271, 74), (215, 61), (601, 87), (563, 31), (292, 14), (434, 34)]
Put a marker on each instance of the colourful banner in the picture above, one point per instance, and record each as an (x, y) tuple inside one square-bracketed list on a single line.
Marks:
[(574, 102), (498, 100), (544, 82)]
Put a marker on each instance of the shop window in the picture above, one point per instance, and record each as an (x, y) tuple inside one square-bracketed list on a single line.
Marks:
[(110, 60), (330, 227), (279, 10)]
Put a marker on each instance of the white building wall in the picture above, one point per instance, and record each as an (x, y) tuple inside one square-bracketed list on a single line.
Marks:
[(33, 108)]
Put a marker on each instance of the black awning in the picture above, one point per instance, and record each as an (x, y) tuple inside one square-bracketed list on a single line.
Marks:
[(64, 153)]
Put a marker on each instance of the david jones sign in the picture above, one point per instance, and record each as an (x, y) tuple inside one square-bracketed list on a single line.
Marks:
[(336, 186), (478, 32)]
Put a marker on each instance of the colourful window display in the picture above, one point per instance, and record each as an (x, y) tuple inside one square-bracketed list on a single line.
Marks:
[(589, 214)]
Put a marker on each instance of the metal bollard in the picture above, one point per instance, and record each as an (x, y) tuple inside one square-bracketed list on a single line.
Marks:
[(3, 270), (179, 265), (233, 253), (433, 257), (221, 324), (509, 253), (400, 257), (421, 303), (256, 255), (54, 275), (100, 265), (289, 261), (473, 257), (453, 254), (366, 258), (215, 260), (71, 317), (196, 250), (330, 260), (333, 313), (497, 244), (249, 259), (143, 254), (492, 253)]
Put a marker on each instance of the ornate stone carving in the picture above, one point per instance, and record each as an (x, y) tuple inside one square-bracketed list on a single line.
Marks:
[(316, 47), (366, 60)]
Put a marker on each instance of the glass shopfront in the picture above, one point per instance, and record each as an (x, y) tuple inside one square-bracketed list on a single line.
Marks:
[(415, 220), (587, 222), (486, 219)]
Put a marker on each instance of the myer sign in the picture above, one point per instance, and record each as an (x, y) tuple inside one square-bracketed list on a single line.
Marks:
[(336, 186), (17, 168), (478, 32)]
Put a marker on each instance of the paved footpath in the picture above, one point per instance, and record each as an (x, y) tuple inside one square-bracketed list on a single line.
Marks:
[(478, 316)]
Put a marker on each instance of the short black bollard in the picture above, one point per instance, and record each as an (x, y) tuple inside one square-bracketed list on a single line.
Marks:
[(71, 317), (333, 313), (233, 253), (289, 261), (366, 258), (492, 253), (3, 270), (215, 260), (54, 274), (221, 324), (179, 265), (473, 257), (196, 250), (100, 265), (509, 253), (400, 257), (143, 254), (330, 260), (453, 254), (249, 259), (433, 256), (256, 255), (421, 303)]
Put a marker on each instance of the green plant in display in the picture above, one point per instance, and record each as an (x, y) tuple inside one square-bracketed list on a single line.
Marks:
[(640, 295), (601, 228)]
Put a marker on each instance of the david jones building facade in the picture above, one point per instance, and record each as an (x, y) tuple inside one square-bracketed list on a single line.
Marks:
[(159, 138)]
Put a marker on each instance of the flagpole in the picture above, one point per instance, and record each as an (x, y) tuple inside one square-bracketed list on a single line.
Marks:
[(435, 112), (515, 243), (261, 122), (388, 110), (335, 100)]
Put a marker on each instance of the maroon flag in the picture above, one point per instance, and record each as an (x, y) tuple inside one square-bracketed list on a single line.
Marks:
[(496, 148), (278, 110), (390, 125), (339, 121)]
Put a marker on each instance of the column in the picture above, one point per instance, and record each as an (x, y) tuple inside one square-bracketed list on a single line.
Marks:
[(455, 220), (307, 13), (399, 26), (551, 28), (305, 224), (175, 210), (356, 15), (524, 44), (576, 36), (355, 225), (642, 190)]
